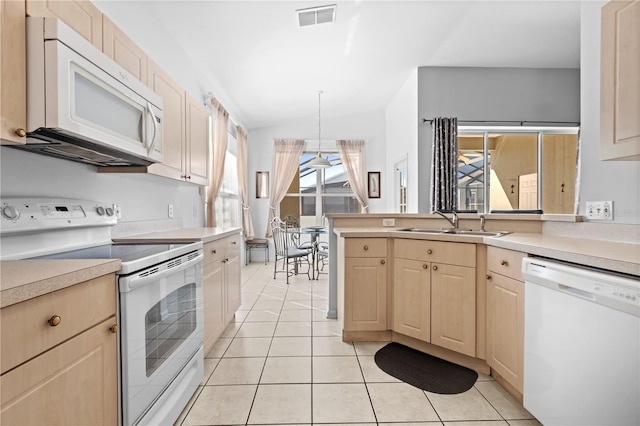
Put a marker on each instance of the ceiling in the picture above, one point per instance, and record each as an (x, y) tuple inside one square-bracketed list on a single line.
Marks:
[(269, 71)]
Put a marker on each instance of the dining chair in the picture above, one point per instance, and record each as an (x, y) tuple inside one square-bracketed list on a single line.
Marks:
[(323, 256), (286, 251)]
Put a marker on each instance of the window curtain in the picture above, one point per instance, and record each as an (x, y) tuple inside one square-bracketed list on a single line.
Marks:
[(220, 140), (353, 159), (243, 172), (286, 161), (444, 167)]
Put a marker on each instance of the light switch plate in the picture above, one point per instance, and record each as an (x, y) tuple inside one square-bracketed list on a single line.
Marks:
[(599, 210), (170, 212), (388, 222)]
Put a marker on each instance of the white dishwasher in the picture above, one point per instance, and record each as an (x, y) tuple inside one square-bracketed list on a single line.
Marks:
[(581, 345)]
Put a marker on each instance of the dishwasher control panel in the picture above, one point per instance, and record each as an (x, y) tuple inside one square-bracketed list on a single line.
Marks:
[(610, 289)]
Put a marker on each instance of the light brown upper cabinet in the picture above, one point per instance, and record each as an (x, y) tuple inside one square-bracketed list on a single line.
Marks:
[(81, 15), (117, 46), (13, 79), (185, 131), (619, 82)]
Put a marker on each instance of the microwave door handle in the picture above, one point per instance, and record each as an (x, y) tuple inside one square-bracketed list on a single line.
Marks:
[(155, 129), (137, 282)]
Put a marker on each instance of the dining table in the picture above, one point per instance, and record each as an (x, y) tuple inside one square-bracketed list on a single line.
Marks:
[(314, 232)]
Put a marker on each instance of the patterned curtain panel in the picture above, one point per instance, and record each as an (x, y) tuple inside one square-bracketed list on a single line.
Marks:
[(444, 170)]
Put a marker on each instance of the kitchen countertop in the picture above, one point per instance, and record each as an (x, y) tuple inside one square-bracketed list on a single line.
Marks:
[(610, 255), (205, 235), (21, 280)]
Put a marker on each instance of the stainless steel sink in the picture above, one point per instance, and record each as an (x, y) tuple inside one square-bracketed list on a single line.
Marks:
[(457, 232)]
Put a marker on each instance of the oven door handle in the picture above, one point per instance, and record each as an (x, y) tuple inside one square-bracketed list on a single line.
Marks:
[(136, 281)]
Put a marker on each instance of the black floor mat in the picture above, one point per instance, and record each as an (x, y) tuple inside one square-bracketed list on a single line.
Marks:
[(424, 371)]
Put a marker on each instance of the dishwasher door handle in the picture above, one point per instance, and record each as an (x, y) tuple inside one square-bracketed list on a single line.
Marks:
[(577, 292)]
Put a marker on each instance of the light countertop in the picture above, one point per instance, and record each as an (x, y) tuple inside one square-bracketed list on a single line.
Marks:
[(610, 255), (21, 280), (180, 235)]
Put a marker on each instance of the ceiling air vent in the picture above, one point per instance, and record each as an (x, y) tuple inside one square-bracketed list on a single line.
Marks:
[(316, 15)]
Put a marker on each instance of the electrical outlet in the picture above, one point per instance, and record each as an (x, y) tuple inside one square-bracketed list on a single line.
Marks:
[(599, 210), (117, 211), (170, 210), (388, 222)]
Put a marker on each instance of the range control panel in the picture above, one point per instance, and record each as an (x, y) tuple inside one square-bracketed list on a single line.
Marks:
[(25, 215)]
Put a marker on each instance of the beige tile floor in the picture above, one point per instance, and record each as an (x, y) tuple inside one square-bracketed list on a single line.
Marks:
[(283, 362)]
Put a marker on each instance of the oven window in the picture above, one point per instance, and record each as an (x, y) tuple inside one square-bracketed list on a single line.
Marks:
[(168, 324)]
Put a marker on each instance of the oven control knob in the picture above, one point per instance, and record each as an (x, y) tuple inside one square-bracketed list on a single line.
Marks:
[(10, 212), (100, 210), (109, 211)]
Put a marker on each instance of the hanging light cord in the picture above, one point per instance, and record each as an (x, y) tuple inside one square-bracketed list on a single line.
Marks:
[(319, 140)]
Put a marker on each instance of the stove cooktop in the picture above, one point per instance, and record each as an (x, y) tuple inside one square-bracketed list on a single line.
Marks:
[(134, 257)]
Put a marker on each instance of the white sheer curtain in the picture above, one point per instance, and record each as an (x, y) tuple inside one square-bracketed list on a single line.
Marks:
[(353, 160), (286, 161), (243, 171), (220, 140)]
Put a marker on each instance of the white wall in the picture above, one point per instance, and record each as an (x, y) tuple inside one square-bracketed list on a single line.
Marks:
[(141, 197), (601, 180), (402, 141), (369, 126)]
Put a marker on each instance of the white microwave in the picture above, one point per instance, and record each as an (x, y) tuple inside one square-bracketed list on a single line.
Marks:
[(82, 106)]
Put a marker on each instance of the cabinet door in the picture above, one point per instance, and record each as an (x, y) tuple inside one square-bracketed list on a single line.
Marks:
[(232, 286), (453, 308), (120, 48), (412, 299), (173, 122), (213, 290), (619, 82), (505, 328), (197, 142), (365, 299), (13, 79), (74, 383), (81, 15)]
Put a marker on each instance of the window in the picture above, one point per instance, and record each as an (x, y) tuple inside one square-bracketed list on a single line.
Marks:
[(316, 192), (517, 169), (228, 204)]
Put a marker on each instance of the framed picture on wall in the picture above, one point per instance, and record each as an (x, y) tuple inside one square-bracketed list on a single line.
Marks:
[(374, 184), (262, 184)]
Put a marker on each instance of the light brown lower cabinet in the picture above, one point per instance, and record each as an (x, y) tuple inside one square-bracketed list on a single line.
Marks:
[(412, 298), (505, 317), (74, 383), (60, 357), (221, 287)]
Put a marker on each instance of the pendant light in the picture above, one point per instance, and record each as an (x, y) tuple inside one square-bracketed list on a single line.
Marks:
[(319, 162)]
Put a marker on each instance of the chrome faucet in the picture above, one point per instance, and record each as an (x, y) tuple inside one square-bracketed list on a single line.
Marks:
[(482, 220), (453, 221)]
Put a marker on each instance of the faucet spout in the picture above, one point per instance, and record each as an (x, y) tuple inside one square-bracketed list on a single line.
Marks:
[(453, 221)]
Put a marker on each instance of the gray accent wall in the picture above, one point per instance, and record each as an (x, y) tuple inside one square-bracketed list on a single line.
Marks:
[(471, 93)]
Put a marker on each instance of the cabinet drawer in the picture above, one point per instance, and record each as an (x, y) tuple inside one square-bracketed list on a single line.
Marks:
[(213, 251), (462, 254), (505, 262), (365, 247), (26, 331), (232, 246)]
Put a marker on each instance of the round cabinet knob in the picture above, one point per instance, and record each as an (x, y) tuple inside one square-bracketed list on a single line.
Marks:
[(100, 210), (504, 263), (488, 276), (213, 251), (366, 247), (425, 266), (21, 132), (114, 328), (382, 262), (429, 251), (109, 211), (435, 268), (10, 212), (54, 320)]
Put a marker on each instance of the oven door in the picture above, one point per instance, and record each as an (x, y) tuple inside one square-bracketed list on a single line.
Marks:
[(161, 319)]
